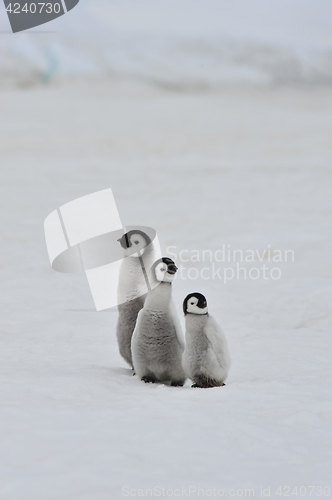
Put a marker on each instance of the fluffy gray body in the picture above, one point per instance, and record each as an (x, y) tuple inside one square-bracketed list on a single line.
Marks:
[(157, 343), (132, 291), (126, 324), (206, 358)]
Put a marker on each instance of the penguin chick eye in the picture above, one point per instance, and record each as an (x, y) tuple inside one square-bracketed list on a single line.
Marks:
[(162, 269), (192, 303), (136, 242)]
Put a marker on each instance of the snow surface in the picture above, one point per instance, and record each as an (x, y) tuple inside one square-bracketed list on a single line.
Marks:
[(243, 166), (178, 43)]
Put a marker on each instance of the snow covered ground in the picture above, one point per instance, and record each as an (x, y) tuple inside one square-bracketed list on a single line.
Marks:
[(246, 167)]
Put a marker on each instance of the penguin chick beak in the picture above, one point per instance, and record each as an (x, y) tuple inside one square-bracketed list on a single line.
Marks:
[(124, 241), (120, 240), (172, 269)]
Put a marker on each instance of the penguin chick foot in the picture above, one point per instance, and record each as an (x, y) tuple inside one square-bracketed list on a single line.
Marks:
[(205, 382), (149, 379), (205, 386), (177, 383)]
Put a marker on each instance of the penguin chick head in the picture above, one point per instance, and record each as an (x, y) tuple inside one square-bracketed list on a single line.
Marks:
[(164, 270), (195, 303), (133, 242)]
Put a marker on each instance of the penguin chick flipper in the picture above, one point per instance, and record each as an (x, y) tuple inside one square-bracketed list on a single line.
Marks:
[(128, 313), (218, 343), (177, 326)]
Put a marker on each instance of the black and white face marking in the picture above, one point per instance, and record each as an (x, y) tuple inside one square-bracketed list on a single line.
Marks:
[(134, 242), (164, 270), (195, 303)]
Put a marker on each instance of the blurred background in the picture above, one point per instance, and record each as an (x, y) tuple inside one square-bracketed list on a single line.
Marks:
[(186, 44)]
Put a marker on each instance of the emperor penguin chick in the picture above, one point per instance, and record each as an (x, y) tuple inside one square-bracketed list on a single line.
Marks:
[(206, 357), (157, 344), (132, 288)]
